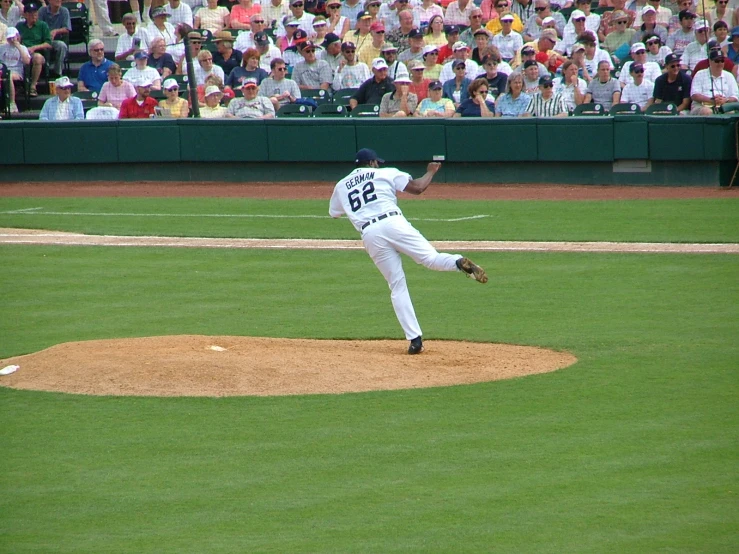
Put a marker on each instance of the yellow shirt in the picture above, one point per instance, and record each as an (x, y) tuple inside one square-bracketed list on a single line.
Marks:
[(495, 27), (435, 41), (368, 53)]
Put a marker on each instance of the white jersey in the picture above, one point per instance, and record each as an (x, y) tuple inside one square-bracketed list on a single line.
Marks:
[(367, 193)]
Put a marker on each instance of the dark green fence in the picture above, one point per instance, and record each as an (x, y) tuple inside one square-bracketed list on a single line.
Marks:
[(626, 149)]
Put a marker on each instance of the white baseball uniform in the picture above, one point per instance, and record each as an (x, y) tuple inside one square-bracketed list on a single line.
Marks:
[(368, 197)]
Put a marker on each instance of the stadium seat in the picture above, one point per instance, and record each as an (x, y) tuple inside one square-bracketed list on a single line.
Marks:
[(661, 109), (319, 95), (628, 108), (5, 99), (331, 110), (589, 109), (365, 110), (80, 19), (294, 110), (342, 96), (89, 98)]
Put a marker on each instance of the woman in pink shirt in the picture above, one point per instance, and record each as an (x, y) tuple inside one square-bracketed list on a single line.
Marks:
[(242, 12), (115, 90)]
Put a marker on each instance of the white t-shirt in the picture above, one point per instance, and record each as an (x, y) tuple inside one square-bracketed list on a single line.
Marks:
[(366, 193), (11, 57), (637, 94), (125, 42), (134, 74)]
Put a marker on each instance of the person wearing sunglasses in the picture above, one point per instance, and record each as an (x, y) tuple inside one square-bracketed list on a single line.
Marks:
[(656, 51), (545, 102), (477, 103), (608, 25), (663, 14), (371, 49), (652, 70), (427, 9), (172, 105), (312, 73), (242, 13), (205, 67), (507, 40), (350, 73), (713, 87), (475, 22), (277, 87), (499, 9), (639, 91), (401, 102), (719, 12), (535, 24), (94, 73), (712, 45), (299, 15), (673, 86), (618, 42), (337, 23), (696, 50), (245, 39)]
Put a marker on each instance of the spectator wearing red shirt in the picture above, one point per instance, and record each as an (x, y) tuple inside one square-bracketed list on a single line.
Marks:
[(141, 106)]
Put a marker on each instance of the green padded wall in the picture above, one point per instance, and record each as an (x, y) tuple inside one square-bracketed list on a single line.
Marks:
[(11, 139), (153, 140), (630, 138), (678, 138), (500, 140), (588, 139), (70, 142), (311, 140), (223, 140), (402, 140)]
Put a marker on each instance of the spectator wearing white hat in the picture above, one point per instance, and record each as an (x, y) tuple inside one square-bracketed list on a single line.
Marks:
[(696, 50), (141, 70), (535, 23), (663, 14), (141, 106), (373, 89), (508, 41), (649, 26), (432, 69), (251, 106), (461, 53), (172, 105), (160, 27), (395, 68), (350, 73), (400, 102), (298, 13), (495, 15), (652, 70), (212, 108), (15, 56), (63, 106), (576, 26)]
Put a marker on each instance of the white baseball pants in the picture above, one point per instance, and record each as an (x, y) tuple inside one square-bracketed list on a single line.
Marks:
[(385, 241)]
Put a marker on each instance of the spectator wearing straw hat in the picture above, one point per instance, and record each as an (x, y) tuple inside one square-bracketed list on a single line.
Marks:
[(225, 56)]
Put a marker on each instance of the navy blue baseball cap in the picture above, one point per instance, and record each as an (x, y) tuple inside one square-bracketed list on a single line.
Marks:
[(367, 155)]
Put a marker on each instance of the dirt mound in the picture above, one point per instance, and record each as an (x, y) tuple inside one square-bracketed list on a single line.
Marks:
[(196, 365)]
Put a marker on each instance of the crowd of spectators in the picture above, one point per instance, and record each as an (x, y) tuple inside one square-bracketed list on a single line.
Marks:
[(410, 58)]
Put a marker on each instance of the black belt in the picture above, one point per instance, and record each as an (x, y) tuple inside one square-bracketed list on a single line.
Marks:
[(378, 218)]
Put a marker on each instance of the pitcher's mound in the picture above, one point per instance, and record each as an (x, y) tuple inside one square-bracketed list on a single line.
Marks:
[(193, 365)]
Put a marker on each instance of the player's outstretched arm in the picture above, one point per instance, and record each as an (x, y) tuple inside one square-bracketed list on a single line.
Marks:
[(417, 186)]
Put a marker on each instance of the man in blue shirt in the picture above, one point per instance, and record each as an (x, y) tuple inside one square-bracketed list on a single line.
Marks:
[(94, 74), (63, 106)]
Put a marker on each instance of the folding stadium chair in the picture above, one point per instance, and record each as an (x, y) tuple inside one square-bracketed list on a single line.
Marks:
[(589, 109), (628, 108), (331, 110), (365, 110), (294, 110), (661, 109)]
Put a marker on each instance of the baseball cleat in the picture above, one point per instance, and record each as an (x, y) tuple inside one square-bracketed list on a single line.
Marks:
[(416, 346), (473, 270)]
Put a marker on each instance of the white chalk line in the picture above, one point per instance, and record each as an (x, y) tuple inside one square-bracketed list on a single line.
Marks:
[(35, 212), (73, 239)]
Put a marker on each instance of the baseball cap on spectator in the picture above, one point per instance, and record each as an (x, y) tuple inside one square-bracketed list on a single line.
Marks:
[(160, 10), (702, 24), (481, 31), (143, 82), (307, 44), (377, 27), (618, 15), (507, 17), (169, 84), (528, 51), (735, 31), (212, 89), (578, 47), (430, 48), (402, 78), (548, 19), (319, 20), (249, 83), (415, 33), (31, 7), (142, 55), (293, 2), (363, 15), (578, 14), (549, 34), (458, 63), (300, 36), (416, 64), (686, 14), (671, 58), (333, 3), (637, 46), (647, 9), (261, 38), (460, 45), (367, 155), (713, 44), (634, 67), (452, 30), (378, 64), (291, 21), (348, 46), (388, 47), (11, 32), (63, 82), (329, 39), (716, 55), (546, 80), (435, 85), (529, 63)]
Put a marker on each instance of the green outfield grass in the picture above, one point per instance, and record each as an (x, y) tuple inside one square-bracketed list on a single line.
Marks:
[(705, 220), (632, 449)]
